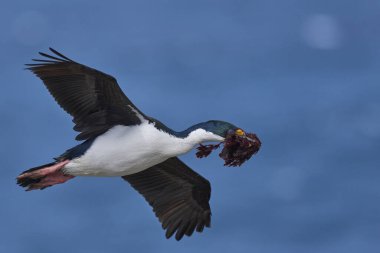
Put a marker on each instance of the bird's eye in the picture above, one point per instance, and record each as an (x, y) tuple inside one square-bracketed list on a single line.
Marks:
[(239, 132)]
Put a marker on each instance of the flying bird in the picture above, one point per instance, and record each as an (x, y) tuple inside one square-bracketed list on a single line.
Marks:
[(118, 140)]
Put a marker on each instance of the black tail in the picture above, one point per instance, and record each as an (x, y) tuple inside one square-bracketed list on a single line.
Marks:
[(27, 181)]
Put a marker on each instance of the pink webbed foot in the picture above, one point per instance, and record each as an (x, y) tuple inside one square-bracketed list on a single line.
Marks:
[(44, 176)]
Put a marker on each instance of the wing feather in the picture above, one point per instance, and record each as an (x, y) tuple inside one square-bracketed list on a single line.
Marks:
[(93, 98), (179, 196)]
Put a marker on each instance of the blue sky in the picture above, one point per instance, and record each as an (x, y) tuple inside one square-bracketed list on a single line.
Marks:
[(303, 75)]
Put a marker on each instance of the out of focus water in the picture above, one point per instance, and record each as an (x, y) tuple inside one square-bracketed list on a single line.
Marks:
[(303, 75)]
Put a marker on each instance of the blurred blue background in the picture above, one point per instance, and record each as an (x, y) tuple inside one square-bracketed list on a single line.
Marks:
[(303, 75)]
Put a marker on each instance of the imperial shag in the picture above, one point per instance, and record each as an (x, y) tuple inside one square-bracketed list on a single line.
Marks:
[(120, 140)]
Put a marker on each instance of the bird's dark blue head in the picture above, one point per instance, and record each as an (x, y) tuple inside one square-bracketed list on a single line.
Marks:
[(217, 127), (238, 146)]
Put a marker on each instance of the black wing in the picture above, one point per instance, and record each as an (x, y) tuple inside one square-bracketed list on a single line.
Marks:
[(93, 98), (179, 196)]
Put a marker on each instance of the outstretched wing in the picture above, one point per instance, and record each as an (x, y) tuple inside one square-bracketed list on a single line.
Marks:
[(92, 98), (179, 196)]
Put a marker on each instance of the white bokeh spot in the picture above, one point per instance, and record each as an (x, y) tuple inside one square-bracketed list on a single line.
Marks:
[(322, 31)]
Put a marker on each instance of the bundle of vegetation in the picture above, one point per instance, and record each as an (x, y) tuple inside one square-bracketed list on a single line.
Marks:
[(236, 150)]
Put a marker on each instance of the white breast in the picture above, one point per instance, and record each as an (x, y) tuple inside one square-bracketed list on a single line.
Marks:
[(125, 150)]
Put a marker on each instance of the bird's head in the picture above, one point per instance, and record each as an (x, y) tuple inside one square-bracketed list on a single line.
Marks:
[(239, 146)]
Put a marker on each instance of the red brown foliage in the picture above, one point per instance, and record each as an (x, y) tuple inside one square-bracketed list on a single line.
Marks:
[(237, 149)]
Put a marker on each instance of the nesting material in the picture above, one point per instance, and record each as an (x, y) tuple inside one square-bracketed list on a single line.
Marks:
[(236, 148)]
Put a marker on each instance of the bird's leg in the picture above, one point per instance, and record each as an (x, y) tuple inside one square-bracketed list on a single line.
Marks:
[(44, 177)]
